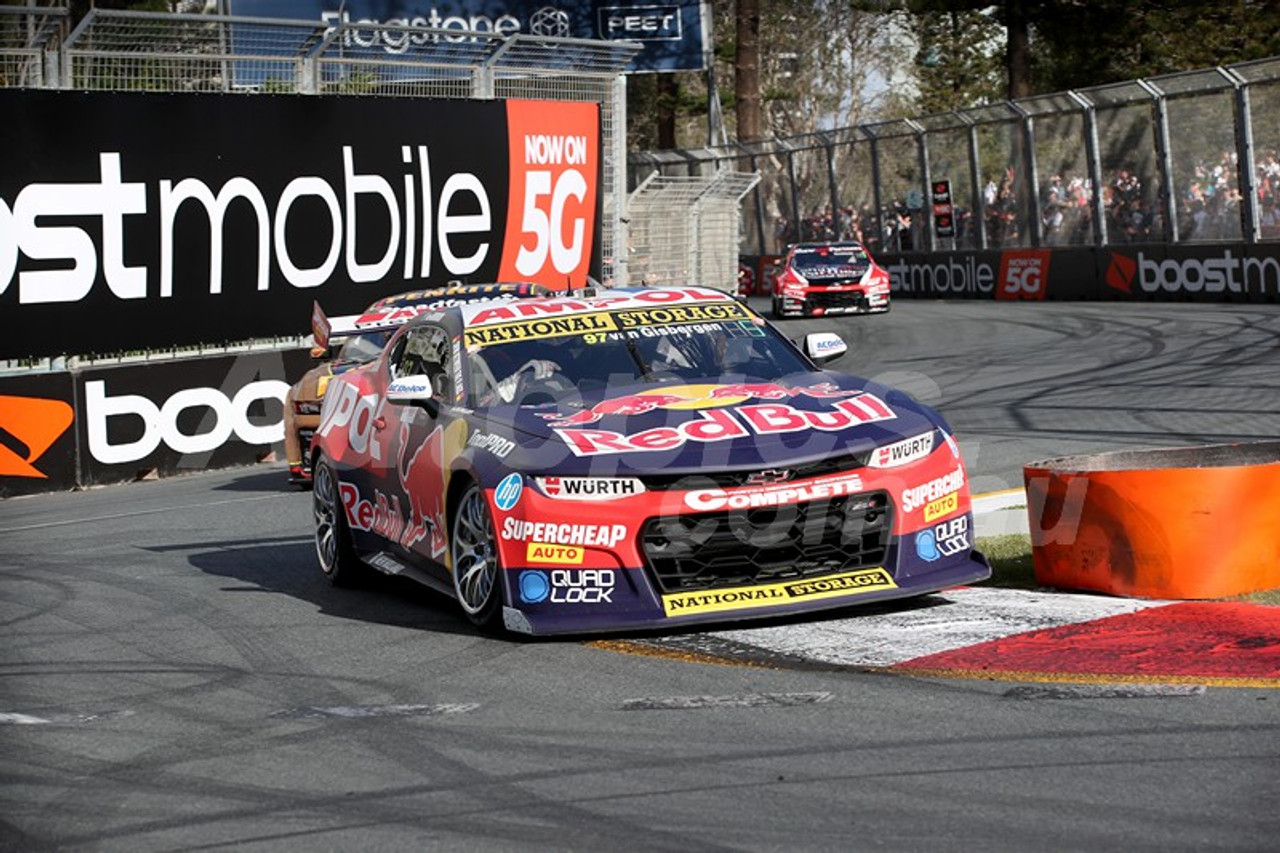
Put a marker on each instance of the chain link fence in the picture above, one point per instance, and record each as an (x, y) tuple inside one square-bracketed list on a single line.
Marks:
[(29, 40), (685, 229), (1185, 158)]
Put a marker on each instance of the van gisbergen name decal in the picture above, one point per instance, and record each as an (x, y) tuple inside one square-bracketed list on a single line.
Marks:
[(778, 594), (730, 423)]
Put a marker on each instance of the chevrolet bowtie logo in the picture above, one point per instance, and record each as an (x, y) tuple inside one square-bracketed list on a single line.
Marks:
[(28, 427), (769, 477)]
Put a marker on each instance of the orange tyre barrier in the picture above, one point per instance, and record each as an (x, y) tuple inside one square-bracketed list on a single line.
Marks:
[(1185, 523)]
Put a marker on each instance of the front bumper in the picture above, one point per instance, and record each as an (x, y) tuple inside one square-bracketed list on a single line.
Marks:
[(830, 542)]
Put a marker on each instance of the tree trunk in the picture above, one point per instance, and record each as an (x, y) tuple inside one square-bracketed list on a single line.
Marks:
[(1018, 49), (746, 71), (668, 96)]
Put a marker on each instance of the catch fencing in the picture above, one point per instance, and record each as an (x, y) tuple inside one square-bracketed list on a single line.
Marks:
[(1188, 158), (685, 229)]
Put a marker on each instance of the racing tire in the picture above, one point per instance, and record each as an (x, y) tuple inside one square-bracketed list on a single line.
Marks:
[(473, 553), (334, 550), (777, 309)]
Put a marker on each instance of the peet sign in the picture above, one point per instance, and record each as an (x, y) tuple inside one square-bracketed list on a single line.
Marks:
[(114, 237)]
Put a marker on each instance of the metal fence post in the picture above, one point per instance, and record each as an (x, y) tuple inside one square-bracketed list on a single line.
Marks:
[(1246, 163), (1168, 200)]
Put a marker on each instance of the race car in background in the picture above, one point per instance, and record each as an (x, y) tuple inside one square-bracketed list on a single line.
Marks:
[(646, 458), (821, 279), (359, 339)]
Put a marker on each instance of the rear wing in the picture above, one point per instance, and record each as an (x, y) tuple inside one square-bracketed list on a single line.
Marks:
[(324, 329)]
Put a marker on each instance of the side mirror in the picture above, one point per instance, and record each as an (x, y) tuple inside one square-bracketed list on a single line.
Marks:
[(823, 347), (414, 391)]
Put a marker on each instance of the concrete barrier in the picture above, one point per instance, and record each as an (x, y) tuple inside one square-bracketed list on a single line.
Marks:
[(1184, 523)]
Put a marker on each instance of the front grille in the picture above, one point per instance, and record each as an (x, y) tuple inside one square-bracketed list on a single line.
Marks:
[(846, 299), (732, 479), (742, 547)]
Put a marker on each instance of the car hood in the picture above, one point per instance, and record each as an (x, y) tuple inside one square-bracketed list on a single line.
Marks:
[(716, 425)]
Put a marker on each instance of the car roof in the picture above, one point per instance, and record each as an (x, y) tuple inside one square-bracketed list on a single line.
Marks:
[(463, 292)]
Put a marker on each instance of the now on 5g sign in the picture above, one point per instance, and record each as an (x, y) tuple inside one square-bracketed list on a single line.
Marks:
[(142, 221)]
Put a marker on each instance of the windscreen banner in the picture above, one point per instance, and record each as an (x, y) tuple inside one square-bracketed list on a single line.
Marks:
[(133, 221), (671, 34)]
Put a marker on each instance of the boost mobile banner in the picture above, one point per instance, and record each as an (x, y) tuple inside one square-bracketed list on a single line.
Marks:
[(131, 221)]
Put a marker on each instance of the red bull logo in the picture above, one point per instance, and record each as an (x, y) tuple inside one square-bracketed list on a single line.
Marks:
[(723, 424), (694, 397)]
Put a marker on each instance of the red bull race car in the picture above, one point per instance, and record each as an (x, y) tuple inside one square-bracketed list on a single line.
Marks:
[(821, 279), (359, 338), (647, 458)]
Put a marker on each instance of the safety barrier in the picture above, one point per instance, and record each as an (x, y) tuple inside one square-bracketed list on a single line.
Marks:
[(1183, 523), (112, 424)]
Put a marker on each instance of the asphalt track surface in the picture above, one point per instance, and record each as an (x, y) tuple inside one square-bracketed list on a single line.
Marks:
[(176, 675)]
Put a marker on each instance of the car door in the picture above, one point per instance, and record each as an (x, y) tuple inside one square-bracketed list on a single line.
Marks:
[(424, 437)]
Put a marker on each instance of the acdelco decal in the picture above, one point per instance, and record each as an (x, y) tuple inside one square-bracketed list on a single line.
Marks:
[(753, 498), (936, 496), (552, 533), (554, 164), (722, 424), (777, 594)]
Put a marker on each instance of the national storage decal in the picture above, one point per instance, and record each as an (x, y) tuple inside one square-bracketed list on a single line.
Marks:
[(113, 238), (778, 594)]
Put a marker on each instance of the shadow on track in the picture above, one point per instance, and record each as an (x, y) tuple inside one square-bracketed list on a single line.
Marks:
[(287, 566)]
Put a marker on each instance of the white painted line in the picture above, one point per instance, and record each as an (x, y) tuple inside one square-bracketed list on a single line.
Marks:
[(360, 711), (15, 719), (749, 700), (1105, 691), (993, 501), (135, 514), (948, 620)]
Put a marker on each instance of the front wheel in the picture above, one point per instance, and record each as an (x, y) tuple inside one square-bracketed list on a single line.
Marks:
[(334, 550), (473, 549)]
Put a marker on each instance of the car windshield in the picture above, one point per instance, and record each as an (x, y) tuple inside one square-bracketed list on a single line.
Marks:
[(364, 347), (531, 372), (830, 261)]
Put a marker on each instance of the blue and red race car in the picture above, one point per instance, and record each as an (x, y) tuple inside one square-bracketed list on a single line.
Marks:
[(644, 458), (821, 279)]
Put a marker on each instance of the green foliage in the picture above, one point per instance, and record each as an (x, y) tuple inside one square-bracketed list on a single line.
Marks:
[(958, 60)]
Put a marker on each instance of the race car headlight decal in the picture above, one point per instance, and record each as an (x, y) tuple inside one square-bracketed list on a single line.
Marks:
[(589, 488)]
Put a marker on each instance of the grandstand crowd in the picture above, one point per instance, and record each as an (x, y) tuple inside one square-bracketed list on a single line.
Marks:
[(1208, 209)]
